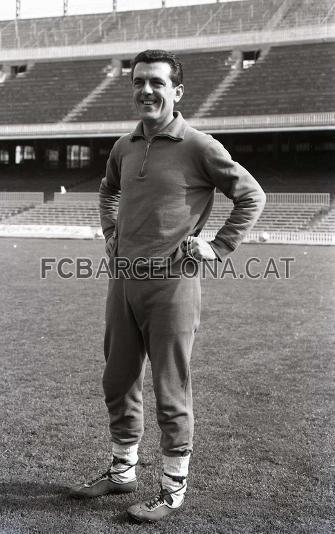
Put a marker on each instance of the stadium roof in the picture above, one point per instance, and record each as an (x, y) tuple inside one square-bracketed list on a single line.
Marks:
[(40, 8)]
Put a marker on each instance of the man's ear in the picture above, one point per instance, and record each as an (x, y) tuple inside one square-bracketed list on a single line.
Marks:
[(179, 91)]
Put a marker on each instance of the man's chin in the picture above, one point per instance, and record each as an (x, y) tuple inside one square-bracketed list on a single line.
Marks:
[(148, 116)]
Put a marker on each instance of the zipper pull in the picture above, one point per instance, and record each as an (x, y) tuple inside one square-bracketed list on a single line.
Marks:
[(145, 157)]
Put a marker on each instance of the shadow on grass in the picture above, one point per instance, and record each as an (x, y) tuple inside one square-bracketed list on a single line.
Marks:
[(16, 496)]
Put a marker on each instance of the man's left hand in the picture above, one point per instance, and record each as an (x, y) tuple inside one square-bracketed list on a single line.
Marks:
[(198, 248)]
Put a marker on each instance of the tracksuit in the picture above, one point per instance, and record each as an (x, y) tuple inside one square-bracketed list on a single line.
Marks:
[(155, 194)]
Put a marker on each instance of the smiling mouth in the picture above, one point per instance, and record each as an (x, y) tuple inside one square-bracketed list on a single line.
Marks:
[(147, 103)]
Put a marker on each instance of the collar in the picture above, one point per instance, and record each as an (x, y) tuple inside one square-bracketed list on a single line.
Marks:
[(175, 130)]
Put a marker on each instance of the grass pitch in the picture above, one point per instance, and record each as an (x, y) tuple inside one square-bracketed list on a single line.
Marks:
[(263, 376)]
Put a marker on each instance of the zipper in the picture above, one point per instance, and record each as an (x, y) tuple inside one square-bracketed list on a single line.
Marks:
[(141, 174)]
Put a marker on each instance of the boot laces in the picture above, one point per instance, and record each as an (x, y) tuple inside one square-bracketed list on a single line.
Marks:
[(161, 498), (100, 477), (156, 501), (108, 473)]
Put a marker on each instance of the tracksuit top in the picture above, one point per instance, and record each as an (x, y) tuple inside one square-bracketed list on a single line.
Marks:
[(158, 191)]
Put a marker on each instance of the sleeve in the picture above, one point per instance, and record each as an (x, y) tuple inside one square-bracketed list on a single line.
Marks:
[(238, 185), (109, 194)]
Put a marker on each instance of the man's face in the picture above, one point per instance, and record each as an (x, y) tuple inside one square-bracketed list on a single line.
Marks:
[(153, 92)]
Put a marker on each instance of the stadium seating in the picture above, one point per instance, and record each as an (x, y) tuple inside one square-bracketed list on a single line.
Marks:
[(13, 203), (286, 217), (82, 212), (69, 90), (169, 22), (113, 104), (48, 91), (326, 223), (274, 85), (307, 12), (274, 217), (77, 213), (10, 209), (29, 99)]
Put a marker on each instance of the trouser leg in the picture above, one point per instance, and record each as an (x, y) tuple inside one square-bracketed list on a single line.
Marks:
[(125, 367), (169, 314)]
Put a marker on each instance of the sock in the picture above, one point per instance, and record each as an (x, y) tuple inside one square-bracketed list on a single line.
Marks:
[(124, 472), (175, 466)]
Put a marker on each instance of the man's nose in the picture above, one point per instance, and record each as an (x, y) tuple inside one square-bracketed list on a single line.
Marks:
[(147, 89)]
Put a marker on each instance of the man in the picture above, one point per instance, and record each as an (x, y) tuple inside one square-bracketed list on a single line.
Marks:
[(154, 201)]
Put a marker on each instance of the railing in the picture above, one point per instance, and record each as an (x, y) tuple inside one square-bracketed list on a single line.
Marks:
[(282, 237), (330, 12), (62, 35), (76, 196), (284, 120), (285, 198), (18, 196), (220, 198), (97, 28), (223, 41), (298, 198), (213, 15), (11, 22), (299, 238)]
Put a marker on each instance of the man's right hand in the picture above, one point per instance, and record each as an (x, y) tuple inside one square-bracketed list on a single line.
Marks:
[(109, 246)]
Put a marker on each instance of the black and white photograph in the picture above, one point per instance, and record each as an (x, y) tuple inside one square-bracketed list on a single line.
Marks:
[(167, 266)]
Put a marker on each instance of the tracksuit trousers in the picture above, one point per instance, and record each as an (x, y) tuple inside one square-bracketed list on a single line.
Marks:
[(157, 318)]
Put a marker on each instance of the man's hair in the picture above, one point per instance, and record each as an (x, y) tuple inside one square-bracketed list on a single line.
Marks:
[(152, 56)]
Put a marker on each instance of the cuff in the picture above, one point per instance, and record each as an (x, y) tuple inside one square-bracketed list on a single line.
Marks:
[(221, 250)]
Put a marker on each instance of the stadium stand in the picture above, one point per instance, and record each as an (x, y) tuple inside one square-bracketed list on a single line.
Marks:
[(113, 103), (12, 204), (277, 83), (10, 209), (306, 12), (231, 84), (75, 213), (49, 92), (168, 22), (81, 209), (278, 215), (286, 217), (326, 221)]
